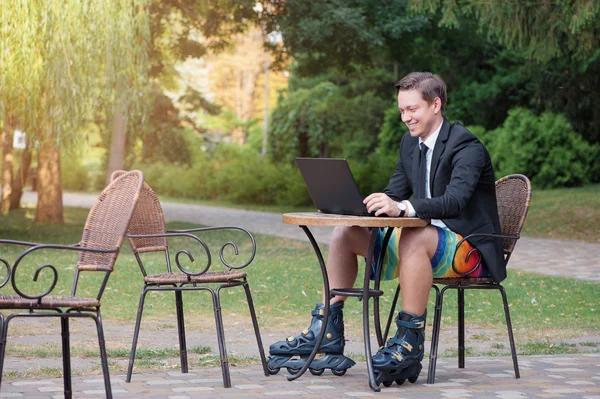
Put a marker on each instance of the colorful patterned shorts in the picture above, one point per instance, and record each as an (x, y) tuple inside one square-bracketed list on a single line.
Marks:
[(441, 263)]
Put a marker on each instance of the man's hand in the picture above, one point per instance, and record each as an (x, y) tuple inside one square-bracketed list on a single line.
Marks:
[(382, 204)]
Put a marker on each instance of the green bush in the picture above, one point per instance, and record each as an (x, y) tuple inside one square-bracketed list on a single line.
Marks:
[(545, 148), (74, 176), (231, 173), (391, 133), (245, 177), (175, 181), (374, 174)]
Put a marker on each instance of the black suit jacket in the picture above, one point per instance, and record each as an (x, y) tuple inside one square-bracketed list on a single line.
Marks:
[(462, 186)]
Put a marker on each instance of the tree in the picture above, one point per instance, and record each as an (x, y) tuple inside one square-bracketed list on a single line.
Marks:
[(558, 43), (235, 75), (7, 149), (544, 29), (57, 59), (467, 42), (178, 29)]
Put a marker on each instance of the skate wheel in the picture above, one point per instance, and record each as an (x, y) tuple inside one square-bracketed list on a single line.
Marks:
[(400, 381), (413, 379), (273, 370), (387, 384), (339, 373), (316, 371), (292, 370)]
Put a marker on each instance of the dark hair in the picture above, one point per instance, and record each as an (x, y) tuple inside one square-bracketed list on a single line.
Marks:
[(429, 85)]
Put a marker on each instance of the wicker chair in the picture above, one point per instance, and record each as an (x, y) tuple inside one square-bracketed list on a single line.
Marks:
[(513, 193), (103, 235), (146, 234)]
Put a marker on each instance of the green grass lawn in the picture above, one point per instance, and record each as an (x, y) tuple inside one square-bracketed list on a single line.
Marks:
[(286, 280), (565, 213)]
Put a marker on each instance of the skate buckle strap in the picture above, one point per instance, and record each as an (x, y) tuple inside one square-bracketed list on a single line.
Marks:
[(318, 312), (410, 324), (400, 342), (407, 346)]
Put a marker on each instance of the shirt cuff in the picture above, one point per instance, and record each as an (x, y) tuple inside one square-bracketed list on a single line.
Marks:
[(411, 213)]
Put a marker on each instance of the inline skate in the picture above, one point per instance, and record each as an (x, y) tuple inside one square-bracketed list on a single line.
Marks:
[(400, 359), (293, 353)]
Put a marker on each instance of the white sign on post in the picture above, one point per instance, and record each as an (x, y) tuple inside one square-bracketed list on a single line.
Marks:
[(19, 139)]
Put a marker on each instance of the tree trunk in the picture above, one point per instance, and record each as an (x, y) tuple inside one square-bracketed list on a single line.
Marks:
[(50, 205), (20, 179), (118, 140), (7, 163)]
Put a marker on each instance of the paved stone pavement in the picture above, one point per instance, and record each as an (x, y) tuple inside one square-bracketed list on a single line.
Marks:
[(569, 376), (559, 376)]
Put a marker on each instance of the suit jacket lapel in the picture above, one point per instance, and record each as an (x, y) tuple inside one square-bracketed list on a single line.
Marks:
[(438, 150)]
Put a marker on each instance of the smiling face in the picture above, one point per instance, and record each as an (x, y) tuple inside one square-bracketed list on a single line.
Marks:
[(421, 118)]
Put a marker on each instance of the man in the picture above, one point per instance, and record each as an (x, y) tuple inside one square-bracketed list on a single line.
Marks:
[(448, 172)]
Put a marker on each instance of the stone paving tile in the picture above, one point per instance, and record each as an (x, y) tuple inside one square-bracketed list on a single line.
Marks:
[(483, 378)]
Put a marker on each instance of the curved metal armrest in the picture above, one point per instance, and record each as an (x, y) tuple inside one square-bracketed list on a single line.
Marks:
[(5, 262), (229, 243), (465, 274), (8, 272), (188, 233), (38, 247)]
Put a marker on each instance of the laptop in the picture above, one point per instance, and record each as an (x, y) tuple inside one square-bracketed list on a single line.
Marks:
[(331, 186)]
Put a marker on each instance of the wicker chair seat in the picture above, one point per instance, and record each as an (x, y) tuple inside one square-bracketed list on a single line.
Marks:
[(182, 278), (47, 302), (463, 280)]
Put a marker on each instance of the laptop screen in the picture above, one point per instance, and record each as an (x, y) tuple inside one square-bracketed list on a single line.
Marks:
[(331, 186)]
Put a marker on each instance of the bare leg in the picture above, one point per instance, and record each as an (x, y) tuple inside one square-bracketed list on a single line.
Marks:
[(417, 247), (342, 266)]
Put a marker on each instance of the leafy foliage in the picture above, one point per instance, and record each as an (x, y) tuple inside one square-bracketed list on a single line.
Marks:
[(230, 173), (62, 61), (544, 29), (332, 115), (545, 148), (391, 133), (338, 33)]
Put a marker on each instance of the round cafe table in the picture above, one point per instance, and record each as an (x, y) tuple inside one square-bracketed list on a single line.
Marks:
[(304, 220)]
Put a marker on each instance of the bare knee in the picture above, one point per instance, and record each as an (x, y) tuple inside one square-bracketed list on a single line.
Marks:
[(418, 240), (352, 239)]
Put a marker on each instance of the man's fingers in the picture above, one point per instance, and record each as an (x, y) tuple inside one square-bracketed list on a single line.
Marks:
[(370, 197)]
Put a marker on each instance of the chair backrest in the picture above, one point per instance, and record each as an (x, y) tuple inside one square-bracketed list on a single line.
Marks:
[(513, 193), (148, 218), (107, 221)]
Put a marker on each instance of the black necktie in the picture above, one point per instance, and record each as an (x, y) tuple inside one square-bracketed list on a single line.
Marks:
[(421, 184)]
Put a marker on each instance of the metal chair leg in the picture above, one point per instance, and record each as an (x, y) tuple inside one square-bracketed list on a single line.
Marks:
[(66, 355), (181, 332), (3, 330), (136, 333), (261, 349), (103, 356), (221, 338), (511, 338), (461, 328), (435, 334)]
